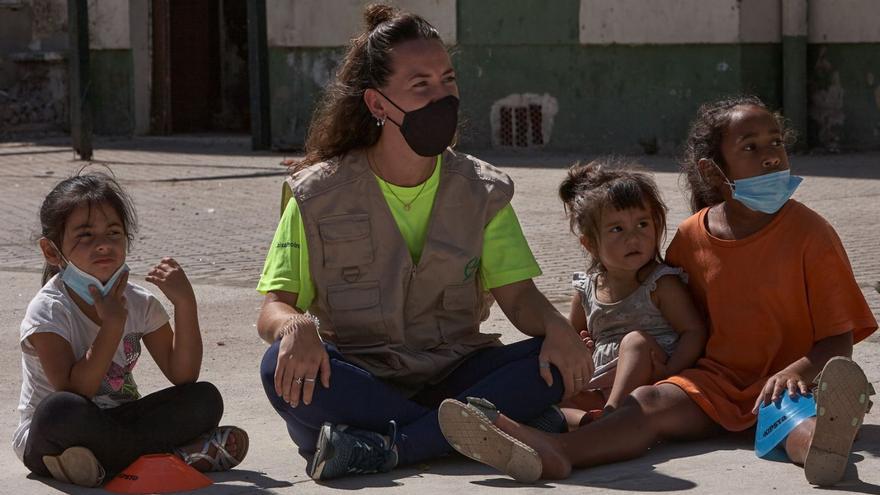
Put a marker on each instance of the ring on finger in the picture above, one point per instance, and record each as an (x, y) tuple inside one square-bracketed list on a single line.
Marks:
[(299, 381), (310, 380), (579, 379), (543, 364)]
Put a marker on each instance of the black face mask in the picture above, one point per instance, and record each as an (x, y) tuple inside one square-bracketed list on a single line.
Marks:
[(430, 129)]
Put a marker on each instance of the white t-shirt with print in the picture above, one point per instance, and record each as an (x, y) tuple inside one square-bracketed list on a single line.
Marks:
[(53, 311)]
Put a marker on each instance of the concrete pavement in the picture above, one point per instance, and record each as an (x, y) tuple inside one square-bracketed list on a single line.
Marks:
[(213, 204)]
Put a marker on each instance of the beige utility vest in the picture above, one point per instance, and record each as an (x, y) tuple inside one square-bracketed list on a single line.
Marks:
[(408, 324)]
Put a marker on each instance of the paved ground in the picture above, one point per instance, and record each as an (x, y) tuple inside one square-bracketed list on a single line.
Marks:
[(213, 204)]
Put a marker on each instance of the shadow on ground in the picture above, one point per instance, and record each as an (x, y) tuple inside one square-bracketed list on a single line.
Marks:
[(228, 483)]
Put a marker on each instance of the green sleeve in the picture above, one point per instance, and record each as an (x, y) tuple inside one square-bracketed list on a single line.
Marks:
[(506, 256), (287, 263)]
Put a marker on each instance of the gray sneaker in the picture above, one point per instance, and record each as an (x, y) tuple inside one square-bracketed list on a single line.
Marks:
[(342, 450)]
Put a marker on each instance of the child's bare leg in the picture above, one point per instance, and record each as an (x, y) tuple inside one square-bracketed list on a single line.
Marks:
[(585, 400), (577, 409), (650, 414), (634, 366), (797, 443)]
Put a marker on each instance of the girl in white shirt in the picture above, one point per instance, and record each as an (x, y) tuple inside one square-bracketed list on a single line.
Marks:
[(82, 416)]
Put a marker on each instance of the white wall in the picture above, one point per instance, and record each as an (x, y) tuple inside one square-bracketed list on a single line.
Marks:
[(329, 23), (109, 24), (659, 21), (723, 21), (844, 21)]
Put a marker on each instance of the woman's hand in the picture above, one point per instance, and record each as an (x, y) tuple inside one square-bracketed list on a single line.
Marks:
[(112, 309), (777, 384), (302, 359), (170, 278), (564, 348)]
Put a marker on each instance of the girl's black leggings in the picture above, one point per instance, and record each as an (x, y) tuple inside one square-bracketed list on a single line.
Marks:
[(156, 423)]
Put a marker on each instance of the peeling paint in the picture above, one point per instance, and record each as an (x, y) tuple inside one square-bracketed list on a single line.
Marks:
[(826, 102), (50, 17), (722, 67), (322, 70), (37, 101)]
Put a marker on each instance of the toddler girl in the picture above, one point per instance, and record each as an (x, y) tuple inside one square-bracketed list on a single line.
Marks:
[(635, 310)]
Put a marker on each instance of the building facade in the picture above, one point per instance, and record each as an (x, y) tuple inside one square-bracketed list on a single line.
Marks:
[(598, 75)]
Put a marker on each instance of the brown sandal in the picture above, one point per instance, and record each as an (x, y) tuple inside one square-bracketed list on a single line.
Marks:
[(841, 403), (470, 431)]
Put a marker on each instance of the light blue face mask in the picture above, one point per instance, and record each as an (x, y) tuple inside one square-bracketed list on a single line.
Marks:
[(765, 193), (79, 281)]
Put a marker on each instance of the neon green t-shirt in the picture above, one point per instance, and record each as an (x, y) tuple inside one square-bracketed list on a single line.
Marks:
[(506, 256)]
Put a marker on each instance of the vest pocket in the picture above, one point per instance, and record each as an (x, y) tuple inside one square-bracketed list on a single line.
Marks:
[(346, 240), (459, 318), (356, 313)]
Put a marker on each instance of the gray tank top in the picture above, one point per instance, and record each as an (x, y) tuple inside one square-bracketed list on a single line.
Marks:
[(609, 322)]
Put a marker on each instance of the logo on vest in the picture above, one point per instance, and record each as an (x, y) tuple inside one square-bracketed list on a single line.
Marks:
[(471, 267)]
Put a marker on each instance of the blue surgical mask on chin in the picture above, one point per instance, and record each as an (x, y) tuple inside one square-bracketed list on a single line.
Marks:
[(765, 193), (79, 281)]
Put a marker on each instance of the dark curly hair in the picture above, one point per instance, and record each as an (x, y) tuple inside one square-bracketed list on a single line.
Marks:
[(89, 189), (342, 122), (704, 141), (590, 188)]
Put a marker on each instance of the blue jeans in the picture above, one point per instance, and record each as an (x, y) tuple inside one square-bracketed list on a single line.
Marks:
[(508, 376)]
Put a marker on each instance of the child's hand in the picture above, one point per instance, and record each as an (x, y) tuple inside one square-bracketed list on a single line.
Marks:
[(588, 340), (169, 277), (659, 365), (778, 384), (112, 309)]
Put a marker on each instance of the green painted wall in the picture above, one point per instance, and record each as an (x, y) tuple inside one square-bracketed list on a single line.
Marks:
[(612, 98), (296, 78), (112, 88), (844, 94)]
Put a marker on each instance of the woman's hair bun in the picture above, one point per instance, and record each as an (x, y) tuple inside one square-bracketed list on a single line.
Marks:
[(377, 13)]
